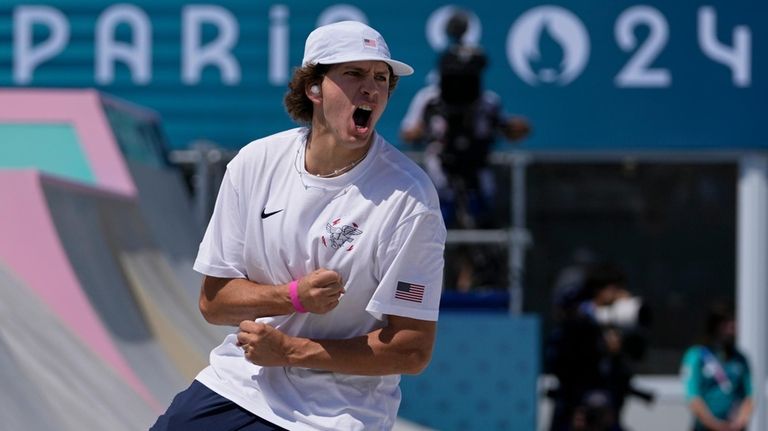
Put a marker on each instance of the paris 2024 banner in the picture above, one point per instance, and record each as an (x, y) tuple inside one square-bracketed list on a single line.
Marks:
[(619, 75)]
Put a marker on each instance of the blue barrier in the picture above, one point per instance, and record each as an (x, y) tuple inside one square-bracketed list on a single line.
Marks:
[(483, 375)]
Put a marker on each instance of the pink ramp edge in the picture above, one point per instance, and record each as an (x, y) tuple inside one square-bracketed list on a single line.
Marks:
[(31, 247), (82, 109)]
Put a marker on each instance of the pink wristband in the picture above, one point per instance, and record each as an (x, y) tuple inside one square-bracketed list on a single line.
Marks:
[(293, 290)]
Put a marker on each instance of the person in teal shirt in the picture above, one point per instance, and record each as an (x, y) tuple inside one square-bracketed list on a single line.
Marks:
[(716, 376)]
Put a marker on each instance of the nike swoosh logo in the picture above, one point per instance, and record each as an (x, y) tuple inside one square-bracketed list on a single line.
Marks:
[(265, 214)]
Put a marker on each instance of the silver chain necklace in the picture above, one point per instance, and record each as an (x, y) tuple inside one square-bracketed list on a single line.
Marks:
[(336, 172), (340, 171)]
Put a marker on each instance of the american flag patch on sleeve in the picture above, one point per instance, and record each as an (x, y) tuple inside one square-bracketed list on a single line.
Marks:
[(409, 292)]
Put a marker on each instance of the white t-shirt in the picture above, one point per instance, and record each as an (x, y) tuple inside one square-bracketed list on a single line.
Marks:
[(378, 225)]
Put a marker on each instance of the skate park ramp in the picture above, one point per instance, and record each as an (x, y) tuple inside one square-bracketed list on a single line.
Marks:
[(107, 245), (164, 202), (44, 367), (89, 255), (32, 249), (65, 133), (98, 238)]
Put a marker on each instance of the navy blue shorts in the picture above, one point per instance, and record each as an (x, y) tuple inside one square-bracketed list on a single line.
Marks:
[(200, 409)]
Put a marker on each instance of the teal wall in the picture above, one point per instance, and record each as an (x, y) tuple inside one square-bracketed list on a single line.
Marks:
[(483, 375), (589, 75), (51, 148)]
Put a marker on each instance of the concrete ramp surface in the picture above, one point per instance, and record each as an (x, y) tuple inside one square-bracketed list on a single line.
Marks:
[(165, 204), (53, 381), (31, 247), (97, 242), (90, 256), (82, 220)]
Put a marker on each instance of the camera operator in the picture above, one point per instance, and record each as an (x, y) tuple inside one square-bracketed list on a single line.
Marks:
[(590, 349), (459, 121)]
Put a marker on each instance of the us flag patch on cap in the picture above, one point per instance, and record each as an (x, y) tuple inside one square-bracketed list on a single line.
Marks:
[(370, 43), (409, 292)]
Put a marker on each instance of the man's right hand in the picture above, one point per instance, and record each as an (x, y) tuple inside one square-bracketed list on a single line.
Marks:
[(320, 291)]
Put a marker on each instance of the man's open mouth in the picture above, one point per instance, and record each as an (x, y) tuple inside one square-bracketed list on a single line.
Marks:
[(362, 116)]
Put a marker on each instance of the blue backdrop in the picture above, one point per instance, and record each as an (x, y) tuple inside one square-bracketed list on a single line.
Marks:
[(688, 74), (483, 375)]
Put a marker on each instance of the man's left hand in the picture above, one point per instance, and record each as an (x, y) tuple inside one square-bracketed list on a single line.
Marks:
[(262, 344)]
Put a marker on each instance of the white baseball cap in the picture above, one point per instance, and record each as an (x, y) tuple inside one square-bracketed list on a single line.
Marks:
[(346, 41)]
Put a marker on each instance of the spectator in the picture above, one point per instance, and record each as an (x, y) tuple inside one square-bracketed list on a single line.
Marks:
[(588, 355), (575, 350), (716, 377)]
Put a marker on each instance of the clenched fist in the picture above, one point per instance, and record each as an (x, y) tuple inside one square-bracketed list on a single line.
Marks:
[(319, 291), (263, 345)]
